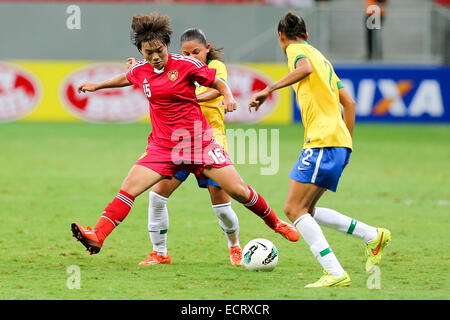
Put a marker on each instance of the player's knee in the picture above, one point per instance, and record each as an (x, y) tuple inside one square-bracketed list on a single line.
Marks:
[(162, 190), (293, 212)]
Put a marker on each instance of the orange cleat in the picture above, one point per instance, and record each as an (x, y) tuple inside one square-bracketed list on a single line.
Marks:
[(87, 237), (286, 230), (155, 258), (236, 256)]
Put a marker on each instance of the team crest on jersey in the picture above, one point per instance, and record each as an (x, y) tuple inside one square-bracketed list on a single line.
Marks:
[(173, 75)]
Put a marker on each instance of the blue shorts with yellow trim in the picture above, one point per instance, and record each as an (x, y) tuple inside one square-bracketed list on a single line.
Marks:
[(202, 183), (321, 166)]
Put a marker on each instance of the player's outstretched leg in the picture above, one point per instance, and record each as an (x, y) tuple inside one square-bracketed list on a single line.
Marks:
[(228, 178), (375, 238), (138, 180), (114, 213)]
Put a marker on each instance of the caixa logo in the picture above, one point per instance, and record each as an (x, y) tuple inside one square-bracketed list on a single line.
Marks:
[(126, 104), (397, 98), (244, 82), (20, 92)]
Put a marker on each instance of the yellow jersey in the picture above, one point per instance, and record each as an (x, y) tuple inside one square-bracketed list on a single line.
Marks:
[(221, 73), (318, 99), (212, 109)]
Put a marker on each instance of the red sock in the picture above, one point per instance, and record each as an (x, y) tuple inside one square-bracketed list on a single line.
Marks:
[(258, 205), (115, 212)]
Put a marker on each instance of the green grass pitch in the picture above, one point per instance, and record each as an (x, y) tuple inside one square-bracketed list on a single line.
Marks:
[(54, 174)]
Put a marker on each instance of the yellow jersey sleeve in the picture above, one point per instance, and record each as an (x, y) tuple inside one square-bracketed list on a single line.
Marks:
[(294, 54), (221, 73), (221, 70), (338, 81)]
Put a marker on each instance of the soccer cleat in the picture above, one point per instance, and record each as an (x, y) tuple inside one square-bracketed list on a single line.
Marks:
[(375, 248), (155, 258), (286, 230), (236, 256), (87, 237), (328, 280)]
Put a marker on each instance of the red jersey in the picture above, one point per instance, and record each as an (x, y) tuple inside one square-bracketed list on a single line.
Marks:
[(174, 112)]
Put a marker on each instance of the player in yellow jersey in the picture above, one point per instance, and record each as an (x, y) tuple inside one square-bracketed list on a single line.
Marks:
[(194, 44), (326, 151)]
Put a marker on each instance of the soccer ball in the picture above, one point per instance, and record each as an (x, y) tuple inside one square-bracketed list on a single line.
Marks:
[(260, 255)]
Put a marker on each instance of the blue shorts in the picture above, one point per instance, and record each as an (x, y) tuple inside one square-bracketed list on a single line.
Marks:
[(321, 166), (202, 183)]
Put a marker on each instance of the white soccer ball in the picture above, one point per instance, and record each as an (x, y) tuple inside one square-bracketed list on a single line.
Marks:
[(260, 255)]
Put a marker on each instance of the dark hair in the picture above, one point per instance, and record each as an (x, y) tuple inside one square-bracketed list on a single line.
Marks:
[(293, 26), (214, 53), (150, 28)]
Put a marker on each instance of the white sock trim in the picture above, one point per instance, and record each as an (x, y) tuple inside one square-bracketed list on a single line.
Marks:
[(221, 205), (300, 218), (160, 197)]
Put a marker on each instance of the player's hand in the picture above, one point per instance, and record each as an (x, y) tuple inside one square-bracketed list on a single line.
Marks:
[(87, 86), (130, 63), (229, 105), (258, 99)]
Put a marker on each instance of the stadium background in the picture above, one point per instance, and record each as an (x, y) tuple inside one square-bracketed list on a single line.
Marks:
[(58, 165), (409, 82)]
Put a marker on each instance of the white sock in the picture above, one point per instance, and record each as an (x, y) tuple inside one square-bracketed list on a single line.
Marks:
[(335, 220), (229, 222), (310, 230), (158, 222)]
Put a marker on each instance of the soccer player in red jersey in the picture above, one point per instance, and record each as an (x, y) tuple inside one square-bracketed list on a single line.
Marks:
[(194, 44), (181, 138)]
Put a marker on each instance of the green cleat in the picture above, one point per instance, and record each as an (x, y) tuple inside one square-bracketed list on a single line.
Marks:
[(328, 280), (375, 248)]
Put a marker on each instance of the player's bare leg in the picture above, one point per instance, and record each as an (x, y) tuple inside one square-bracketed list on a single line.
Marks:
[(166, 187), (301, 197), (231, 182), (137, 181)]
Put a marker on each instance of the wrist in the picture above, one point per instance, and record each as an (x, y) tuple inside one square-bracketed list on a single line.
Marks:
[(271, 87)]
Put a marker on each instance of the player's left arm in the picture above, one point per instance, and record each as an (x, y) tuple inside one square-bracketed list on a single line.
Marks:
[(349, 109), (302, 69)]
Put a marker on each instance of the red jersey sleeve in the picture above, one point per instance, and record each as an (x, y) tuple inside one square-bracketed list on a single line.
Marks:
[(132, 75), (132, 78), (203, 75)]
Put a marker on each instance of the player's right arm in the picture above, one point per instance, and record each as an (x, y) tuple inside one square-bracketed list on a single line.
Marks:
[(224, 90), (116, 82), (208, 95), (302, 69), (349, 109)]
